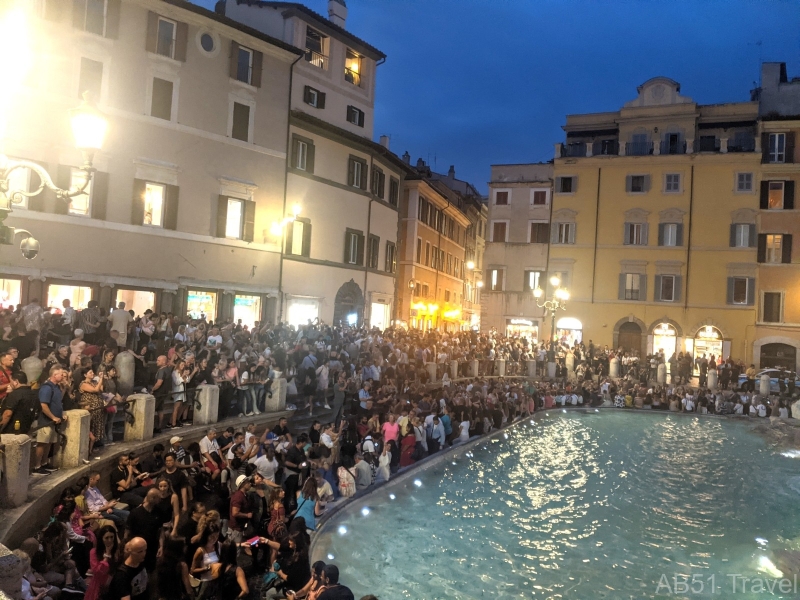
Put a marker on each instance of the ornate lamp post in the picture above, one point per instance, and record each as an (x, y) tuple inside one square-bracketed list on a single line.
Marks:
[(556, 303), (89, 129)]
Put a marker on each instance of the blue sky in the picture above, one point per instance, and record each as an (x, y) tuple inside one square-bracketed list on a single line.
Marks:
[(477, 82)]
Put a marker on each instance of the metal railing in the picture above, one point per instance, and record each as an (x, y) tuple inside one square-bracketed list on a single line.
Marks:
[(673, 147), (707, 144), (638, 148), (351, 76), (316, 59), (577, 149), (605, 148), (742, 144)]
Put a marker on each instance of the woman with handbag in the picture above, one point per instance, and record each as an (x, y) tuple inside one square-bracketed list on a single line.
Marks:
[(308, 504)]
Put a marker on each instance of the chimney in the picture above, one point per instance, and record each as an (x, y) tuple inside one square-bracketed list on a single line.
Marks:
[(337, 12), (384, 141), (451, 174), (407, 158), (420, 163)]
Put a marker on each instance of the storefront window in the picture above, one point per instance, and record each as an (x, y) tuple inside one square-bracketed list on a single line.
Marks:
[(379, 315), (78, 296), (10, 293), (201, 305), (708, 340), (136, 300), (248, 309), (301, 311), (569, 331), (524, 328), (665, 338)]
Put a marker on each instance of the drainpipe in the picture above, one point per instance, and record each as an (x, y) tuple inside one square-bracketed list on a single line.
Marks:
[(285, 189), (596, 229), (369, 226), (689, 240)]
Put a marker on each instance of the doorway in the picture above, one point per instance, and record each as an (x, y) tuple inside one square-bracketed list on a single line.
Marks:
[(349, 305), (778, 356), (630, 337)]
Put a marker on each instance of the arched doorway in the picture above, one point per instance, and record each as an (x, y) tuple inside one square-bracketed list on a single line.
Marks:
[(630, 337), (348, 308), (781, 356), (707, 342), (665, 337)]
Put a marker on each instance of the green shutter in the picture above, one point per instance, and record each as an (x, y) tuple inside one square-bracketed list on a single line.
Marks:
[(151, 41), (181, 41), (137, 206), (731, 283), (222, 215), (249, 221), (171, 208), (306, 239)]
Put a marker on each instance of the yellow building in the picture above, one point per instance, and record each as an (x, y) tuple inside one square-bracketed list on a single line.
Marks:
[(654, 224)]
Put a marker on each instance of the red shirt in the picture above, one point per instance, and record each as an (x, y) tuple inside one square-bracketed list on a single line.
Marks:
[(5, 379), (239, 500)]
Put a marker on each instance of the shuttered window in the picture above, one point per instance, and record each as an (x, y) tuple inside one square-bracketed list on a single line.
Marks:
[(161, 100), (357, 173), (303, 154), (771, 307), (391, 257), (635, 234), (298, 238), (313, 97), (373, 251), (355, 116), (378, 182), (632, 286), (154, 204), (100, 17), (668, 288), (742, 235), (166, 37), (670, 234), (741, 290), (394, 191), (354, 247), (240, 122), (235, 218)]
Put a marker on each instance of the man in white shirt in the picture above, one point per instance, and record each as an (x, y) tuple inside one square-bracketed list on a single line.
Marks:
[(120, 320), (214, 338), (208, 446)]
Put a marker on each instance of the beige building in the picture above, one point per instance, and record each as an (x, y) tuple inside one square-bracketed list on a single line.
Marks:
[(191, 179), (339, 258), (520, 201)]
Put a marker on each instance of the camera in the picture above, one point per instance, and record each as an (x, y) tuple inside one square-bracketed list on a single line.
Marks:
[(29, 247)]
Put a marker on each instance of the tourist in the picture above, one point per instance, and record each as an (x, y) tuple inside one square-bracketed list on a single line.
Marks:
[(51, 417), (241, 511), (333, 589), (172, 573), (130, 581), (308, 505), (104, 559), (20, 407)]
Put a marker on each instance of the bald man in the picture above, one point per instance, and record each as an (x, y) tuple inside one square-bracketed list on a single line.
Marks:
[(145, 523), (130, 580)]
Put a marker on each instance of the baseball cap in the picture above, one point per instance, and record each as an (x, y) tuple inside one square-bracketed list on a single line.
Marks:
[(175, 439), (271, 436)]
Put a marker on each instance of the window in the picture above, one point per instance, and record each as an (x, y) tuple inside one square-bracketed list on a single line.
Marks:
[(240, 126), (774, 248), (635, 234), (532, 280), (667, 291), (739, 290), (539, 197), (499, 231), (298, 238), (744, 182), (300, 155), (632, 286), (373, 248), (501, 198), (357, 175), (235, 219), (771, 310), (207, 42), (315, 48), (775, 197), (566, 185), (447, 295), (425, 290), (669, 234), (165, 45), (95, 17), (391, 258), (419, 250), (777, 147), (427, 262), (496, 280), (80, 205), (540, 233), (743, 235), (672, 182), (313, 97), (394, 191), (161, 103), (352, 68), (355, 116), (378, 182), (244, 65), (636, 184), (565, 233), (91, 78), (154, 200), (353, 247)]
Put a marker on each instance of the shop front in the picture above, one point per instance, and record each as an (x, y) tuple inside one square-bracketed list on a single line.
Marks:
[(523, 328), (247, 309), (708, 341), (379, 313), (10, 293), (665, 339), (569, 331), (299, 311), (201, 304), (136, 300), (78, 296)]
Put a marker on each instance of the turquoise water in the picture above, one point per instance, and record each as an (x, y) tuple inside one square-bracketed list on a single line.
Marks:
[(580, 505)]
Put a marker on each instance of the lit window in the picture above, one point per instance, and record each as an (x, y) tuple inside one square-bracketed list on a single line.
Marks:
[(532, 280), (235, 218), (775, 198), (352, 68), (82, 204), (774, 248), (166, 38), (315, 48), (154, 204)]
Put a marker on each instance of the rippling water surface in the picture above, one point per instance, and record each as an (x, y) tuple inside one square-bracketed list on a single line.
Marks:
[(579, 506)]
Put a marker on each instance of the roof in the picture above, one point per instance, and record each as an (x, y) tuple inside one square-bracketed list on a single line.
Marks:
[(321, 22), (214, 16), (374, 147)]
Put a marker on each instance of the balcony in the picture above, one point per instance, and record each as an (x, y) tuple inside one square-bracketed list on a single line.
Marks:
[(707, 144), (316, 59), (742, 144), (605, 148), (573, 150), (352, 76), (638, 148), (673, 147)]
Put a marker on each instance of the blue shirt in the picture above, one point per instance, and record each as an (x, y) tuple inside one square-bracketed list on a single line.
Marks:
[(305, 509), (51, 395)]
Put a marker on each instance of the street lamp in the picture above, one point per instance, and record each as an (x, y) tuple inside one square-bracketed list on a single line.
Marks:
[(470, 265), (556, 303), (89, 129)]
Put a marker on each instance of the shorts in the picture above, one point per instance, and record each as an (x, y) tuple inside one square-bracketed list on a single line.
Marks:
[(47, 435), (122, 338), (211, 466), (160, 403)]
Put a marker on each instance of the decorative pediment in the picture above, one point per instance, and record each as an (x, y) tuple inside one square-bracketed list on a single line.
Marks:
[(671, 215), (744, 215), (659, 91), (636, 215), (564, 215)]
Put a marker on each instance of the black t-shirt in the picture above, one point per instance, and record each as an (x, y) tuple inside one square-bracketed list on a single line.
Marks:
[(279, 431), (24, 406), (118, 475), (177, 479), (151, 464), (146, 524), (297, 573), (164, 374), (336, 592), (128, 581), (295, 456)]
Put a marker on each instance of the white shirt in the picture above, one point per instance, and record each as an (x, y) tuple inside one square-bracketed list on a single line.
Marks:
[(208, 446), (266, 468), (762, 410), (120, 319), (326, 439), (214, 341)]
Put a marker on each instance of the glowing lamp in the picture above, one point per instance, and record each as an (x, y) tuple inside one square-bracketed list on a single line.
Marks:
[(538, 292), (555, 281), (296, 208), (88, 126), (470, 265)]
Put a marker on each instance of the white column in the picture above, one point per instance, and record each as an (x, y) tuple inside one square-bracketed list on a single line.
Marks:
[(621, 148), (454, 369), (143, 407), (208, 397), (763, 386), (613, 367), (473, 369), (500, 367), (430, 367), (712, 379), (76, 450), (15, 462), (589, 146), (661, 373), (656, 147), (531, 368), (690, 146), (551, 370), (558, 150), (278, 400), (723, 145)]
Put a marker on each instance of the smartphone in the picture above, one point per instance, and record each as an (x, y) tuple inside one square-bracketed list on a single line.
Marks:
[(252, 541)]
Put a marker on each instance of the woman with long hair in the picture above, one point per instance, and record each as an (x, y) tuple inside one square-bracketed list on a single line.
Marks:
[(170, 563), (232, 583), (103, 559), (169, 505), (308, 504), (207, 554), (91, 400)]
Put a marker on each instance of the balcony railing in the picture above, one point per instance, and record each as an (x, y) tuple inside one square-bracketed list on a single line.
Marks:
[(605, 148), (638, 148), (351, 76), (576, 149), (707, 144), (673, 147), (317, 59), (742, 144)]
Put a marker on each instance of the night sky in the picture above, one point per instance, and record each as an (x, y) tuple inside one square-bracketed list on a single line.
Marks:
[(478, 82)]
